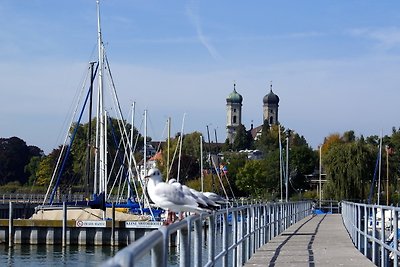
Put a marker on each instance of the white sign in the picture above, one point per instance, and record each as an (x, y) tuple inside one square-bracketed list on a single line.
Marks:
[(143, 224), (91, 224)]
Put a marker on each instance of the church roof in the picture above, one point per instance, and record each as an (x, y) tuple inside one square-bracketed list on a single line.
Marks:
[(271, 98), (234, 97)]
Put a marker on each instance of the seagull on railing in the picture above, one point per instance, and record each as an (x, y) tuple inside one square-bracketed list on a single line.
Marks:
[(169, 197), (216, 198), (203, 201)]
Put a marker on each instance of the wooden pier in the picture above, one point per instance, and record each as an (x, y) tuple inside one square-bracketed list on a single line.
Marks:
[(320, 240)]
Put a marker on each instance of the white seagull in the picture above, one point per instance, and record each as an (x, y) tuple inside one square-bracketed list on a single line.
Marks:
[(201, 199), (216, 198), (168, 196)]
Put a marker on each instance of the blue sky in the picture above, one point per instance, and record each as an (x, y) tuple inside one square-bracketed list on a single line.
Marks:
[(334, 64)]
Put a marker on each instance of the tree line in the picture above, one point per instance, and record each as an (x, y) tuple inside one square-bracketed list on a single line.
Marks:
[(349, 162)]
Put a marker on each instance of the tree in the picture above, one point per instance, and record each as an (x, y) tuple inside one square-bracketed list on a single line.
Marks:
[(242, 139), (252, 178), (46, 168), (14, 156), (31, 168), (269, 139), (349, 168), (234, 162)]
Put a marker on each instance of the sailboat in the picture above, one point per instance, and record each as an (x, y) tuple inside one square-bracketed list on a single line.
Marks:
[(97, 178)]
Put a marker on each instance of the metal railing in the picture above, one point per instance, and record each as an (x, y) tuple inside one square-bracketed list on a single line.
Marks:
[(328, 206), (34, 198), (374, 231), (232, 236)]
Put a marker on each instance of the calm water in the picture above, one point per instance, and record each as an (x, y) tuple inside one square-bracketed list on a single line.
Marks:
[(47, 255), (51, 256), (54, 256)]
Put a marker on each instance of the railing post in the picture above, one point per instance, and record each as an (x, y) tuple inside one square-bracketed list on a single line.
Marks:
[(159, 252), (265, 224), (248, 232), (242, 247), (281, 217), (184, 249), (395, 237), (374, 235), (235, 237), (382, 236), (211, 238), (252, 231), (276, 220), (358, 227), (113, 224), (225, 239), (10, 225), (64, 225), (197, 242), (365, 232)]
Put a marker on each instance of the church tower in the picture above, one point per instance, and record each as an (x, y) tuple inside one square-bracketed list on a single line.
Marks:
[(270, 107), (233, 113)]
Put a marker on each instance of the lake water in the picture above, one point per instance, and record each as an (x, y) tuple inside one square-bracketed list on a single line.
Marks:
[(48, 255), (56, 255), (51, 256)]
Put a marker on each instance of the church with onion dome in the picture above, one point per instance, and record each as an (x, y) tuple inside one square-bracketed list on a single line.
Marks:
[(234, 113)]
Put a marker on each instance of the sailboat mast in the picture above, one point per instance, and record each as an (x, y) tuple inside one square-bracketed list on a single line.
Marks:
[(180, 148), (105, 156), (168, 140), (89, 135), (379, 170), (280, 161), (201, 164), (131, 149), (100, 110), (145, 144)]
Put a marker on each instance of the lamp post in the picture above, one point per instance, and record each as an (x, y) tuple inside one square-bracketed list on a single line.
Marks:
[(287, 164), (320, 175)]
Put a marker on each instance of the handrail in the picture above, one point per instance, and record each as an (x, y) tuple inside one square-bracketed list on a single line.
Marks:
[(252, 226), (372, 230)]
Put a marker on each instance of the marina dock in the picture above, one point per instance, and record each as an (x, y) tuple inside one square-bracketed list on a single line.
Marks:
[(320, 240)]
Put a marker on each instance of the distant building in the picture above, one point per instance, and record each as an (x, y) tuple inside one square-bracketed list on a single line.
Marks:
[(270, 107), (234, 113)]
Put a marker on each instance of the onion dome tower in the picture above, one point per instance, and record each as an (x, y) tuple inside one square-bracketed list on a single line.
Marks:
[(233, 113), (270, 107)]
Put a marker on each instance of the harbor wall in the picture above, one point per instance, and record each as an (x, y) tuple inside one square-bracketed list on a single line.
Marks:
[(50, 232), (22, 210)]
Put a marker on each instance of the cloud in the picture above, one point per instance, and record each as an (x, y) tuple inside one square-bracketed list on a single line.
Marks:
[(387, 38), (192, 13)]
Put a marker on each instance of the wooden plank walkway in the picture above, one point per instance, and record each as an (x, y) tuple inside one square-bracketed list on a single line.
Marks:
[(320, 240)]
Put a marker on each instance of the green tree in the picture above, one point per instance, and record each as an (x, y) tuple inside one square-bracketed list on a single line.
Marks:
[(252, 178), (268, 141), (349, 168), (31, 168), (14, 156), (242, 139), (234, 162)]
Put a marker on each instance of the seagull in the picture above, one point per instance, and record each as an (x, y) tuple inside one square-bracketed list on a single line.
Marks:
[(201, 199), (168, 196), (210, 203), (216, 198)]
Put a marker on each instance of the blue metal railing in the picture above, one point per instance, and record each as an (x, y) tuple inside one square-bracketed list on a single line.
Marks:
[(251, 227), (374, 231)]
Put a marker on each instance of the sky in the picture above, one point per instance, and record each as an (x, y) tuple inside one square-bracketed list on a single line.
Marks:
[(335, 65)]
